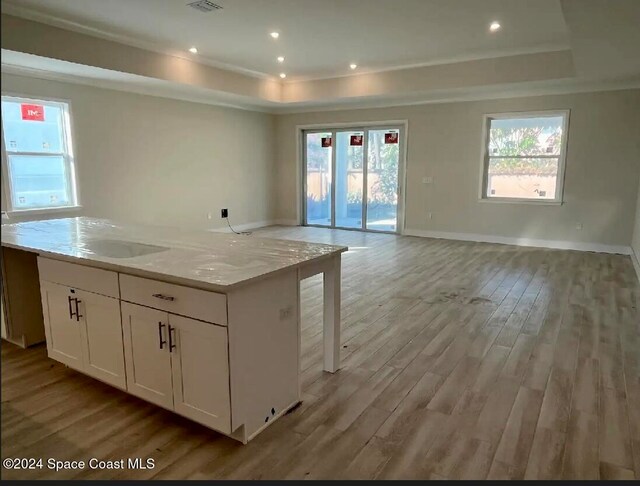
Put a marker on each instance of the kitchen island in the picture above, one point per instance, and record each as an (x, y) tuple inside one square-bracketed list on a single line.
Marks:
[(204, 324)]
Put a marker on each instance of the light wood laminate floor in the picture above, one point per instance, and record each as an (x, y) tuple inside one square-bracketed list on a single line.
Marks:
[(459, 360)]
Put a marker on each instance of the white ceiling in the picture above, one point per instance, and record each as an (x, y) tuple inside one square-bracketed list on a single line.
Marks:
[(318, 38)]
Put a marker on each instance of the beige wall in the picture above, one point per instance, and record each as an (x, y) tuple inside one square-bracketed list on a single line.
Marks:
[(444, 141), (160, 161)]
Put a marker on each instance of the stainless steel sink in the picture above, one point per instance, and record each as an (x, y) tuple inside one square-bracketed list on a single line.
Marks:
[(121, 249)]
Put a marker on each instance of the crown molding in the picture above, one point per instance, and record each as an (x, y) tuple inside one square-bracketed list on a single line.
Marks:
[(152, 87), (55, 21), (459, 95), (143, 86)]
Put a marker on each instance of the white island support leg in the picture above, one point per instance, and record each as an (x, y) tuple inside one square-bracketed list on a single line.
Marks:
[(331, 314)]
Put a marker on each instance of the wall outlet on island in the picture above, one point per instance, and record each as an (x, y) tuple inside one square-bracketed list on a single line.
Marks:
[(224, 213)]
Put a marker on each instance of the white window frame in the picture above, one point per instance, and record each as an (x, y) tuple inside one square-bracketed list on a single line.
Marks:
[(67, 154), (484, 168)]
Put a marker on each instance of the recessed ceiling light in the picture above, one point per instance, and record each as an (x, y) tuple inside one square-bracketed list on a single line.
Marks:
[(275, 35), (283, 75), (193, 50), (280, 58), (353, 65), (495, 26)]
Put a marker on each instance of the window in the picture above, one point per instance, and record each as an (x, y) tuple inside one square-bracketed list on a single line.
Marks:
[(37, 154), (524, 157)]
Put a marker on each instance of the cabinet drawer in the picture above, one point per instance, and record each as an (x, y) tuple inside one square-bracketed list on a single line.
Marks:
[(185, 301), (76, 276)]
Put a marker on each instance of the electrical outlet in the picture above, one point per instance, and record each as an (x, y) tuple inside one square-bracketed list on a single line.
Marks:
[(427, 180), (429, 215), (286, 313), (224, 213), (579, 226), (209, 216)]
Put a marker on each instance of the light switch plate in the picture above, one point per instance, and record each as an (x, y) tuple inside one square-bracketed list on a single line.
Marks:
[(427, 180)]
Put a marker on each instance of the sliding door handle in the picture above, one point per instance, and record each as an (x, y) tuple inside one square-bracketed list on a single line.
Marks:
[(172, 346), (162, 341)]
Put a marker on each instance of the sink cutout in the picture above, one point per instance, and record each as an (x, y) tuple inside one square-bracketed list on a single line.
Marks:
[(121, 249)]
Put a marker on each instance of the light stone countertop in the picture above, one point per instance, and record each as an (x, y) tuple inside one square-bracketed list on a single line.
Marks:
[(202, 259)]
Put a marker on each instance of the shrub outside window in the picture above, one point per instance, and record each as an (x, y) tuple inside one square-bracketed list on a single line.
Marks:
[(524, 157)]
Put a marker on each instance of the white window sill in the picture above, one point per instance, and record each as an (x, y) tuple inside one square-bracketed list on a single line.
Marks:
[(533, 202), (28, 212)]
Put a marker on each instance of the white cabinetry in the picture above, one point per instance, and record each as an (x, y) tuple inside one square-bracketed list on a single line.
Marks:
[(82, 319), (147, 354), (64, 339), (84, 332), (200, 367), (228, 361), (178, 363), (101, 332)]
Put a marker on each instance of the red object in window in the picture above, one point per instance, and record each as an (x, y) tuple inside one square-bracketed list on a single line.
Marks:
[(326, 142), (356, 140), (32, 112), (391, 137)]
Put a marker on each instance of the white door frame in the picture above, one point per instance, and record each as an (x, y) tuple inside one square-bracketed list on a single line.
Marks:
[(330, 127)]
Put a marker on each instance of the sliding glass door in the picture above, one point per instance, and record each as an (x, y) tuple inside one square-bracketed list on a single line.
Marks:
[(319, 162), (382, 180), (348, 179), (352, 178)]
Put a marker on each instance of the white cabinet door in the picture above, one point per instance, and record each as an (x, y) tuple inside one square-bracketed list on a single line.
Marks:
[(102, 338), (63, 330), (147, 357), (200, 367)]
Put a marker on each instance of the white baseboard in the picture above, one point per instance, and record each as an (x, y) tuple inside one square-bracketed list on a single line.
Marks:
[(243, 227), (287, 222), (636, 263), (255, 225), (507, 240)]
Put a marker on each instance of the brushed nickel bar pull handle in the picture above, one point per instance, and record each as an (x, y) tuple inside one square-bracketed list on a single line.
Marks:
[(78, 316), (164, 297), (172, 346), (70, 308), (161, 326)]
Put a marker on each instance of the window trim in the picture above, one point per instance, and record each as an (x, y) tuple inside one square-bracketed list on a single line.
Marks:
[(68, 155), (562, 157)]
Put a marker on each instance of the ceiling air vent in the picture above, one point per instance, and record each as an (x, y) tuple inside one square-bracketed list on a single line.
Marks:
[(205, 6)]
